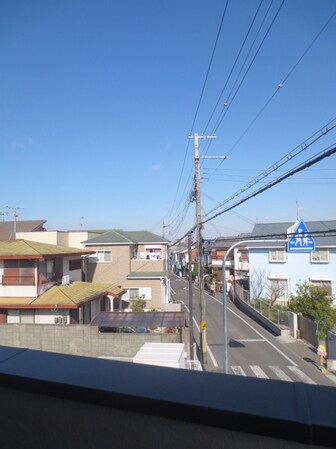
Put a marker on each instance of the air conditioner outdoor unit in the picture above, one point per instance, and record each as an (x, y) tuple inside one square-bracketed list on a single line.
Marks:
[(66, 280), (56, 320)]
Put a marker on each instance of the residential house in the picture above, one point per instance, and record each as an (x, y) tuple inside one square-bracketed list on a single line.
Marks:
[(42, 284), (135, 260), (237, 262), (179, 257), (275, 272)]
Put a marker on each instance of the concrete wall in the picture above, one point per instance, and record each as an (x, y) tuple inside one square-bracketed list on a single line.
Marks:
[(73, 239), (78, 340), (256, 316), (146, 266), (51, 237)]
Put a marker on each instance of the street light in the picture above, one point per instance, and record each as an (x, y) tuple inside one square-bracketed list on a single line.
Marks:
[(225, 337)]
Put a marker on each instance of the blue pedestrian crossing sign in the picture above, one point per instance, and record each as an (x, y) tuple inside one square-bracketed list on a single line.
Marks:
[(301, 240)]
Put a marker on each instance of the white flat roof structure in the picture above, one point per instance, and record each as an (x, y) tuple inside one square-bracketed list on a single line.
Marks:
[(161, 354)]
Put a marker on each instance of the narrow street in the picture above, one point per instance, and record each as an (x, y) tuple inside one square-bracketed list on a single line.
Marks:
[(253, 351)]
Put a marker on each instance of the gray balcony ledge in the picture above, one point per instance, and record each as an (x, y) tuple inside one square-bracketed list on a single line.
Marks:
[(286, 410)]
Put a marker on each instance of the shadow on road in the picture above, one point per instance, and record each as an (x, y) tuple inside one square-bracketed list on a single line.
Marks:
[(236, 344)]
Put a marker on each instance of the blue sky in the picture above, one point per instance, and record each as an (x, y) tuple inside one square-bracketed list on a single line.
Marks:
[(98, 99)]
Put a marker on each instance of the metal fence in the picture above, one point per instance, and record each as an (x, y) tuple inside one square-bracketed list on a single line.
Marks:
[(308, 330), (262, 306)]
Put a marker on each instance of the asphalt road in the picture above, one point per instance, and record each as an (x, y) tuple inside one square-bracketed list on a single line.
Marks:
[(253, 351)]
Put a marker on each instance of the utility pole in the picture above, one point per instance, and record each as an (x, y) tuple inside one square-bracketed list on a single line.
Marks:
[(191, 315), (197, 189), (164, 226)]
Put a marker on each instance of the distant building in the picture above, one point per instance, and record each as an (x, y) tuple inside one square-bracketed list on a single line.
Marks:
[(135, 260), (8, 229), (281, 271)]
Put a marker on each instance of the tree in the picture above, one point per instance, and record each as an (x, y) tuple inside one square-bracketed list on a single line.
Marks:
[(277, 290), (138, 305), (258, 282), (314, 302)]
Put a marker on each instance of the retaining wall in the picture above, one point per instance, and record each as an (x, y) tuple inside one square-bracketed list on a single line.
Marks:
[(78, 339), (256, 316)]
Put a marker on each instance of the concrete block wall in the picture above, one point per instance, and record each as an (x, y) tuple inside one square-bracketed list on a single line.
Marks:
[(78, 339)]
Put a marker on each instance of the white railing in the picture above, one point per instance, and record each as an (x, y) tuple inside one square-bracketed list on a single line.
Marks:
[(148, 256)]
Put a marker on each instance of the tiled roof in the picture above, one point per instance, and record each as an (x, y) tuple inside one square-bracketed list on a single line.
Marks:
[(75, 294), (12, 302), (35, 250), (116, 236), (7, 227), (274, 229)]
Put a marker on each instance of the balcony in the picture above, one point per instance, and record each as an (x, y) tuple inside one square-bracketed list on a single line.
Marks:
[(148, 262), (160, 407)]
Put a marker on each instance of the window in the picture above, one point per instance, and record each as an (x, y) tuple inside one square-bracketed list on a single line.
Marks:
[(104, 256), (19, 272), (141, 293), (133, 293), (324, 284), (320, 255), (27, 316), (278, 290), (75, 265), (47, 270), (277, 255), (243, 256)]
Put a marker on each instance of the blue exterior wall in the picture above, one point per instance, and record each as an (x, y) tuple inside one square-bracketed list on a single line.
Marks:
[(298, 268)]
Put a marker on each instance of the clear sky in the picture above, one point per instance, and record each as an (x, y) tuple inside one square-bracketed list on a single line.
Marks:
[(98, 98)]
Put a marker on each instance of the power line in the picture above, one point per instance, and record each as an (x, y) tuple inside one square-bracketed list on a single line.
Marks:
[(227, 107), (233, 67), (280, 85), (198, 106), (322, 155), (286, 158), (209, 66), (228, 103)]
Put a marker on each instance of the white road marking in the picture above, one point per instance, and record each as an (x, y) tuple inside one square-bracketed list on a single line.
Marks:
[(264, 338), (301, 375), (258, 372), (250, 340), (238, 371), (173, 290), (214, 361), (279, 373), (257, 332)]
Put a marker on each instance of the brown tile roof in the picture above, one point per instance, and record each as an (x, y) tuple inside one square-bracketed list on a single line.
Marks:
[(64, 296), (75, 294), (13, 303), (7, 227), (35, 250)]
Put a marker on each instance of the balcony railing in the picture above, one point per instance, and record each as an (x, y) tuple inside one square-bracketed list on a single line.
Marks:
[(148, 256)]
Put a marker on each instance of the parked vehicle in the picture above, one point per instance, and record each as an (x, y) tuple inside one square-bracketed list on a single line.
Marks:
[(115, 329)]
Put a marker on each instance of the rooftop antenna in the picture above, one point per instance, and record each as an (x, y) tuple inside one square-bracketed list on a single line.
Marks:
[(15, 216), (2, 215)]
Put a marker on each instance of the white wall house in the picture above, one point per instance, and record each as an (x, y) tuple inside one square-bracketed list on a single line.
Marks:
[(281, 271)]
